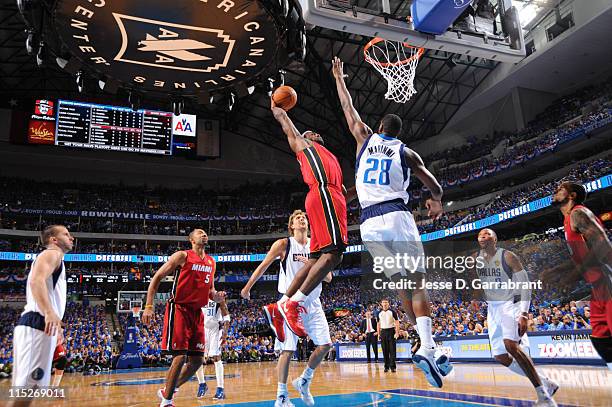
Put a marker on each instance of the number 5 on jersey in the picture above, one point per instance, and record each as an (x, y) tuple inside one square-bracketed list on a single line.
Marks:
[(374, 175)]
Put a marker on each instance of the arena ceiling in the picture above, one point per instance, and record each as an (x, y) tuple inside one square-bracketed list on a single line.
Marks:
[(443, 81)]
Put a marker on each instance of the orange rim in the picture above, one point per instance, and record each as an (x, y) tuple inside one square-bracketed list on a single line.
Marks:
[(376, 40)]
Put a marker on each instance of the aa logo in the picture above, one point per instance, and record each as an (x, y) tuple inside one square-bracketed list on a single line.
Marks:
[(172, 46), (184, 125)]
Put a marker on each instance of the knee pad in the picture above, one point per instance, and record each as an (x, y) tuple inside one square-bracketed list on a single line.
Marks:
[(60, 364), (603, 347)]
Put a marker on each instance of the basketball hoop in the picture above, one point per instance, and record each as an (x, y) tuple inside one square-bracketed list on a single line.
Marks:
[(136, 311), (397, 63)]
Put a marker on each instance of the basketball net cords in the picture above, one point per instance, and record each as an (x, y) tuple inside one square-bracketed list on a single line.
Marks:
[(400, 77)]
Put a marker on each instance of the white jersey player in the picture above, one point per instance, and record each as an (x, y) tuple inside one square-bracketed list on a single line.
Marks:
[(40, 326), (387, 227), (507, 311), (215, 315), (293, 253)]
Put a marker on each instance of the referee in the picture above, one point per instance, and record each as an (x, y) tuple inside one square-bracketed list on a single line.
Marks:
[(388, 332)]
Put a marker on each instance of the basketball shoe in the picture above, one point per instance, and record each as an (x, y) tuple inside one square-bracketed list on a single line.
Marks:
[(302, 385), (290, 310), (444, 365), (275, 320), (202, 389), (283, 401), (163, 402), (550, 386), (219, 394), (546, 403), (424, 360)]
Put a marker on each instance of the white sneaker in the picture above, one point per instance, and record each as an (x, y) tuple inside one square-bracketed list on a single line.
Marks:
[(546, 403), (424, 360), (303, 387), (283, 401), (550, 386)]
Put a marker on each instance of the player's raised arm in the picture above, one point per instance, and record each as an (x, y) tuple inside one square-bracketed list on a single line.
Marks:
[(415, 162), (174, 261), (277, 250), (358, 128), (295, 139), (46, 263)]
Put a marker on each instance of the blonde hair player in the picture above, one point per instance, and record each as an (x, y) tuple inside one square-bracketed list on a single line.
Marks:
[(183, 332), (215, 315), (507, 320), (39, 327), (293, 253)]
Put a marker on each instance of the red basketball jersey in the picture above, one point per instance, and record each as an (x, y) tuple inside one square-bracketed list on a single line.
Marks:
[(579, 249), (193, 281), (320, 167)]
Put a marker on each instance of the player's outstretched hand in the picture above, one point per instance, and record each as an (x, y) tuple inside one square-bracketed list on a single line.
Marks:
[(147, 316), (53, 324), (434, 208), (276, 111), (218, 296), (246, 294), (337, 68)]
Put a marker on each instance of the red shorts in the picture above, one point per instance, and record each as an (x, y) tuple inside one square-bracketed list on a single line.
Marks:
[(601, 318), (183, 329), (59, 352), (326, 210)]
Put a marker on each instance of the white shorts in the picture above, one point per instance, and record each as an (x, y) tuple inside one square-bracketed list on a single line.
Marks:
[(32, 354), (212, 342), (394, 233), (316, 327), (502, 318)]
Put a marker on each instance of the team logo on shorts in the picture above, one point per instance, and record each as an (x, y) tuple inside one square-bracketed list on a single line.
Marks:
[(200, 346), (38, 374)]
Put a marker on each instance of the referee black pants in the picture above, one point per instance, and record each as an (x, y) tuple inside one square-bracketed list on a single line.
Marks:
[(371, 340), (387, 341)]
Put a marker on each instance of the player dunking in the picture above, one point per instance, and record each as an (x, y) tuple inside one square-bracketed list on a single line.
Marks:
[(591, 253), (506, 319), (326, 210), (293, 253), (215, 315), (183, 334), (387, 226), (40, 325)]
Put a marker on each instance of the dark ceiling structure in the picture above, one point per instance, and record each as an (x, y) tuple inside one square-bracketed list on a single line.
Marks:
[(444, 81)]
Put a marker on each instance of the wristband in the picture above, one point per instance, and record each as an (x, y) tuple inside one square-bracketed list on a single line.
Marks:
[(226, 318), (148, 306)]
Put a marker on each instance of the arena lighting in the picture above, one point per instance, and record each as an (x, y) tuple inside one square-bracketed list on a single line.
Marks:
[(269, 86), (41, 55), (80, 81), (231, 100), (70, 65), (177, 107), (30, 43)]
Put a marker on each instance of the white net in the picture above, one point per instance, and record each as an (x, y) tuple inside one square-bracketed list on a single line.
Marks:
[(397, 63)]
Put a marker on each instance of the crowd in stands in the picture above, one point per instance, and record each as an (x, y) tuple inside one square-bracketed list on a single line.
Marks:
[(583, 172)]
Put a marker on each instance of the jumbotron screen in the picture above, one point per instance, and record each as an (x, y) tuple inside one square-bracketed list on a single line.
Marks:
[(104, 127)]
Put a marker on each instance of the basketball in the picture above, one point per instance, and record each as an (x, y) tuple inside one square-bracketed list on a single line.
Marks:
[(285, 97)]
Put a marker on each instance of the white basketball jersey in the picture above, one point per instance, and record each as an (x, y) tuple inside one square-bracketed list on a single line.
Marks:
[(56, 286), (495, 270), (212, 314), (382, 173), (290, 265)]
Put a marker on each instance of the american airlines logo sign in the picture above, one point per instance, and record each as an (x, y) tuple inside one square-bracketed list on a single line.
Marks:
[(181, 45)]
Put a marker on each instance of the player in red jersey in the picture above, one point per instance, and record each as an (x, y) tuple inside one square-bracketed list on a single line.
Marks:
[(326, 210), (592, 255), (183, 333), (59, 364)]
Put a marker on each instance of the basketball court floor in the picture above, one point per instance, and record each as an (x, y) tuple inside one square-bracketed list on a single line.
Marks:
[(344, 384)]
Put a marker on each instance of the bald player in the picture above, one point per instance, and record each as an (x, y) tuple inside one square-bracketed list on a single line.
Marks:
[(506, 317)]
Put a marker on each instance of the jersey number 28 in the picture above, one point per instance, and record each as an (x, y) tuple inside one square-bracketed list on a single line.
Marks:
[(369, 176)]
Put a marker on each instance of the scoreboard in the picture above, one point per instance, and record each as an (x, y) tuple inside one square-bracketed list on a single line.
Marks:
[(89, 125)]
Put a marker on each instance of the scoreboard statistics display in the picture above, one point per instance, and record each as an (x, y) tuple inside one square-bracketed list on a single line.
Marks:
[(89, 125)]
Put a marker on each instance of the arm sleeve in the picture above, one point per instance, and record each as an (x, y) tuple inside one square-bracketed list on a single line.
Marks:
[(524, 293)]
